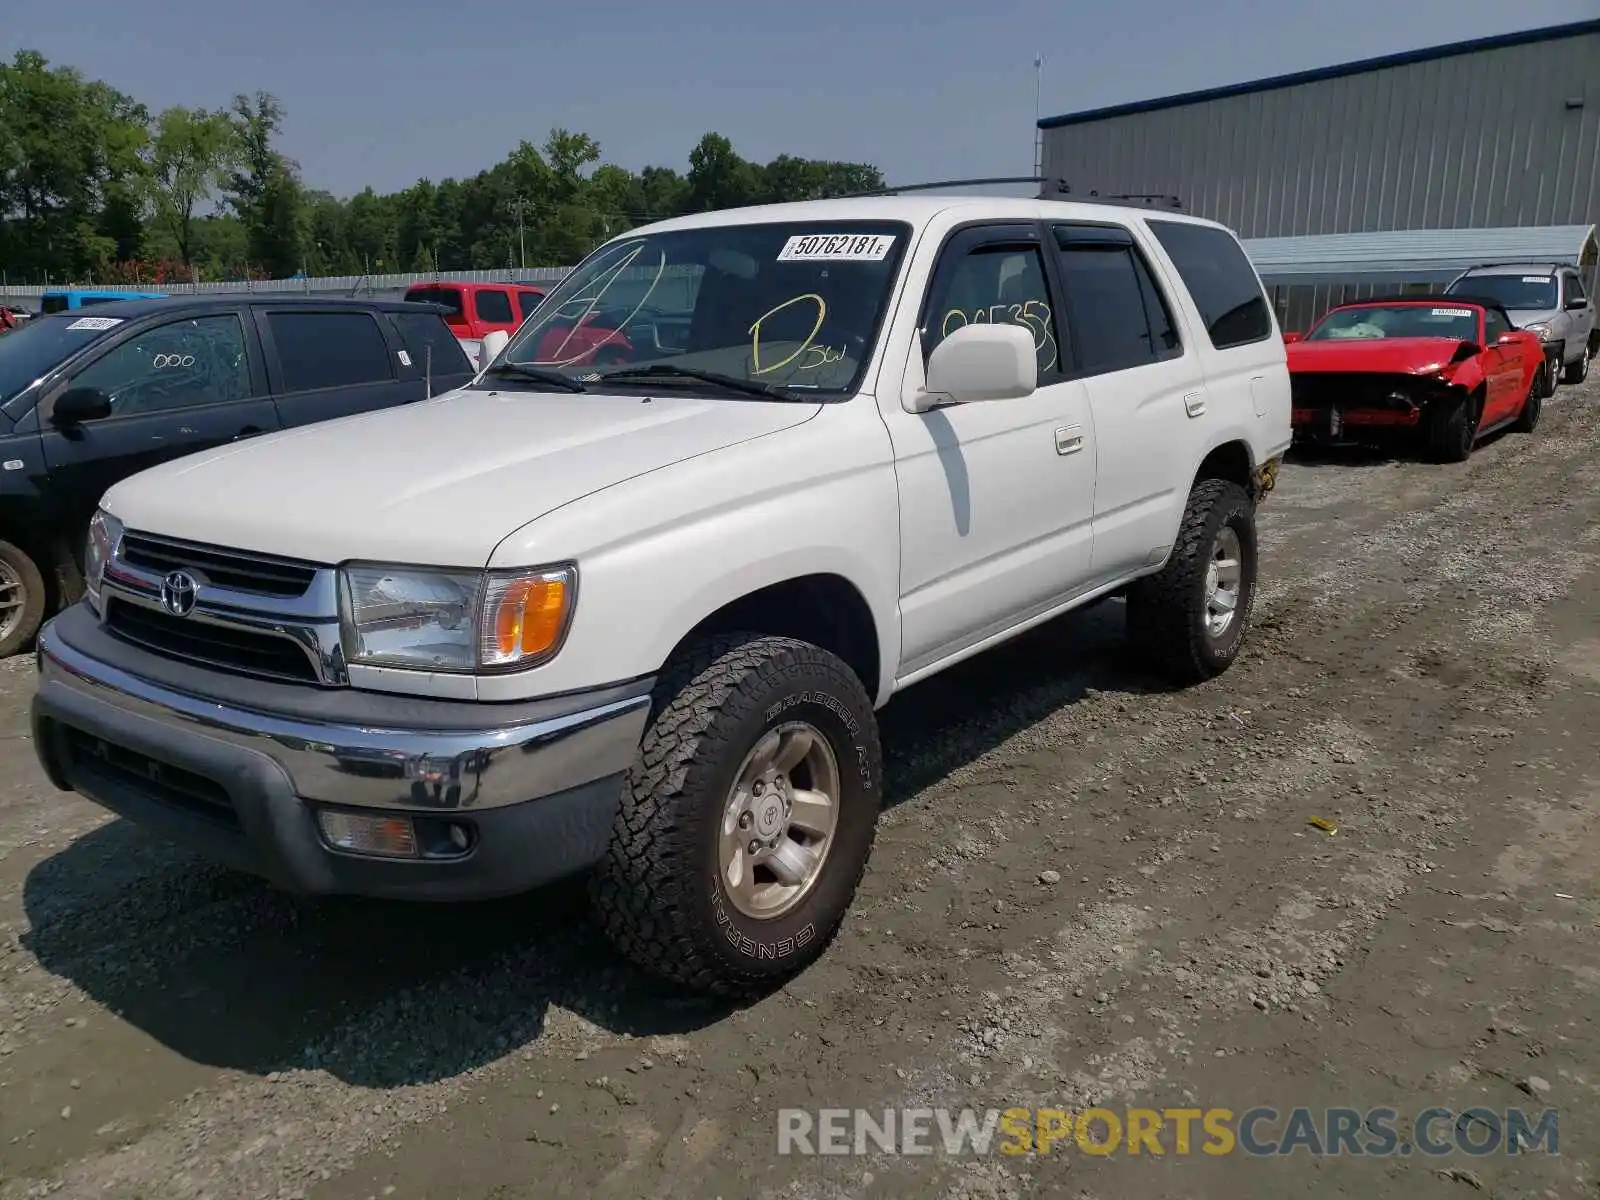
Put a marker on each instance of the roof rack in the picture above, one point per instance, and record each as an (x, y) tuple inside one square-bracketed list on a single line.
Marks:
[(1554, 268), (1048, 187)]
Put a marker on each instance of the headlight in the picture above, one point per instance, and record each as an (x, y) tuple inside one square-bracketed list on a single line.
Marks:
[(1539, 330), (104, 533), (453, 620)]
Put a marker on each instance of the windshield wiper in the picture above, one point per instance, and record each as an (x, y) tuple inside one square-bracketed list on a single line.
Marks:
[(512, 370), (750, 387)]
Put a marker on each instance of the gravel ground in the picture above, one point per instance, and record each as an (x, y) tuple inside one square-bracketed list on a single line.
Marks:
[(1087, 890)]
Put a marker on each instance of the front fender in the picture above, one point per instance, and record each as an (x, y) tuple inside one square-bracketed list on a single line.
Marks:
[(659, 553)]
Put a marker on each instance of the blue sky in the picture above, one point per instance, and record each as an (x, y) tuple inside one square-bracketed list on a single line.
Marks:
[(383, 93)]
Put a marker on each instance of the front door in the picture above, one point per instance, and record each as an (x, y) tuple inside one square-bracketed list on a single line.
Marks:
[(1502, 371), (995, 497), (175, 389)]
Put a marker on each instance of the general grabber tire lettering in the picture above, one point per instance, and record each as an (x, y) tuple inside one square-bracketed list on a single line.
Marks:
[(1213, 563), (723, 708)]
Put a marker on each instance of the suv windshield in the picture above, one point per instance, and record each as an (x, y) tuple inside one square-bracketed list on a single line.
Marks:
[(30, 351), (1537, 292), (1397, 321), (795, 306)]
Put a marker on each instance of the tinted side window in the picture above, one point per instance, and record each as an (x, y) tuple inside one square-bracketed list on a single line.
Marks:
[(1494, 325), (994, 283), (329, 349), (493, 305), (1575, 288), (424, 330), (528, 301), (1118, 313), (1219, 276), (182, 364)]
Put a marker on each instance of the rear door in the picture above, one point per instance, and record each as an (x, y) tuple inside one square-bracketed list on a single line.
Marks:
[(1143, 381), (326, 363), (176, 388), (491, 310)]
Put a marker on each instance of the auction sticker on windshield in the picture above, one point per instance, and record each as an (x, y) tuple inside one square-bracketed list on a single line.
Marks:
[(837, 247), (1452, 312), (96, 323)]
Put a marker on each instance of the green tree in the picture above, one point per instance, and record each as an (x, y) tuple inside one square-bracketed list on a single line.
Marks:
[(189, 159)]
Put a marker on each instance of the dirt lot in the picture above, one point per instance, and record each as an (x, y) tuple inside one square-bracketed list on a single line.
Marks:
[(1424, 673)]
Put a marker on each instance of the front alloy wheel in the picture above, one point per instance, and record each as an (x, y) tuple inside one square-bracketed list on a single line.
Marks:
[(747, 820)]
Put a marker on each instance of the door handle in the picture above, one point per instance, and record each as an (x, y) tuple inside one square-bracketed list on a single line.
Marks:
[(1069, 439), (1194, 403), (249, 431)]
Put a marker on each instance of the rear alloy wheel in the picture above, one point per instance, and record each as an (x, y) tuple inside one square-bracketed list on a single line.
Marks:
[(748, 819), (1189, 620), (1533, 405), (1452, 429), (22, 599)]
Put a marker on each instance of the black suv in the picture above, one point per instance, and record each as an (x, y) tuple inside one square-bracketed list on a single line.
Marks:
[(89, 398)]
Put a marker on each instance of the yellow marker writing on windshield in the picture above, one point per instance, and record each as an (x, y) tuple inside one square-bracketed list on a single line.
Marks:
[(755, 332)]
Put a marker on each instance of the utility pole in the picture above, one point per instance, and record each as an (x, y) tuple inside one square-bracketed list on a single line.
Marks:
[(522, 250), (1038, 97)]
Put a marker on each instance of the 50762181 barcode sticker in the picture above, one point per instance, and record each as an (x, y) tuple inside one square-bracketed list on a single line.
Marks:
[(837, 247)]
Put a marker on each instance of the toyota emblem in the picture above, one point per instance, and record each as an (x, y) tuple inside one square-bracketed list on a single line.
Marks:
[(177, 593)]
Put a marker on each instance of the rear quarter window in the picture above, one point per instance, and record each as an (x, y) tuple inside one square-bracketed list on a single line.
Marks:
[(422, 331), (494, 306), (1218, 274)]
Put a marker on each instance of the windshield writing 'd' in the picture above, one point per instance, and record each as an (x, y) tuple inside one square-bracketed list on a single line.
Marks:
[(786, 304)]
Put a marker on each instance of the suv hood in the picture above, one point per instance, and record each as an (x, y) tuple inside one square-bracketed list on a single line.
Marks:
[(1523, 317), (1390, 356), (439, 482)]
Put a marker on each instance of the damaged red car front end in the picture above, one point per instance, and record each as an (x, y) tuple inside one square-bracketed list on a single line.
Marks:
[(1445, 369), (1343, 387)]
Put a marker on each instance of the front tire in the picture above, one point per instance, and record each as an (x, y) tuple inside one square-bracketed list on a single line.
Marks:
[(731, 867), (1452, 429), (1577, 372), (22, 599), (1189, 620)]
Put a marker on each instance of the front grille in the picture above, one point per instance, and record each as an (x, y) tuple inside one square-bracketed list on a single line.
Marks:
[(95, 759), (236, 569), (226, 646)]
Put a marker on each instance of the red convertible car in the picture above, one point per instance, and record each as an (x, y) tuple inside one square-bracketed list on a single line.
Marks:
[(1443, 369)]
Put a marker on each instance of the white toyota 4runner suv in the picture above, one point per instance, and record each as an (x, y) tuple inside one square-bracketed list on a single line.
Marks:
[(626, 604)]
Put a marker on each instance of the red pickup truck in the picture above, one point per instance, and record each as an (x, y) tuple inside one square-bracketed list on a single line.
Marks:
[(475, 310)]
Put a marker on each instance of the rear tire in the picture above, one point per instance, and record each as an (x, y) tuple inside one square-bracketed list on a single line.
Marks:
[(22, 599), (1452, 429), (1175, 616), (1532, 405), (678, 893)]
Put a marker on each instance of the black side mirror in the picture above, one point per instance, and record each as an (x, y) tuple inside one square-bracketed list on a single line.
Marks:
[(80, 404), (1577, 304)]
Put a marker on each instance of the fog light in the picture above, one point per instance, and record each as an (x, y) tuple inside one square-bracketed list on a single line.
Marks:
[(385, 837)]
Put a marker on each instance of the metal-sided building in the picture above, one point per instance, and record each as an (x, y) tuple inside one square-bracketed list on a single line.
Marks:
[(1489, 134)]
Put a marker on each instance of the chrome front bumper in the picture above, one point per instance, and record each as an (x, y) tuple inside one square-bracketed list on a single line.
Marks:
[(244, 783)]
